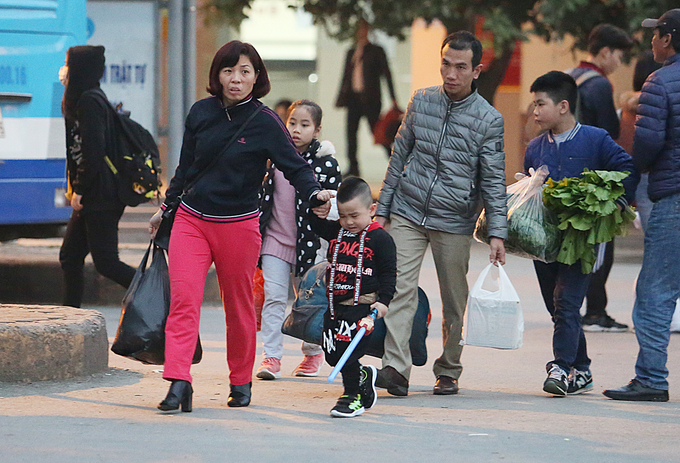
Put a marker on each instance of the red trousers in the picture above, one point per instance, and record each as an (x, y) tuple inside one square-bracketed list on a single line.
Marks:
[(234, 248)]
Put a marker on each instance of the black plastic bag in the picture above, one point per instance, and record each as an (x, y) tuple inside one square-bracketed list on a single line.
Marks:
[(146, 304)]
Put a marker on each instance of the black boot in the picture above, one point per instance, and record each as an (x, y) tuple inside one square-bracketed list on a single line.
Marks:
[(240, 395), (179, 394)]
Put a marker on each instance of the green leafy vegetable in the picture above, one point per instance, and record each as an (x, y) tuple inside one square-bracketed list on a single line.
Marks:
[(587, 213)]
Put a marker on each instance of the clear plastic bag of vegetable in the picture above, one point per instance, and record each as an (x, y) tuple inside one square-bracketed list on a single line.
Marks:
[(532, 229)]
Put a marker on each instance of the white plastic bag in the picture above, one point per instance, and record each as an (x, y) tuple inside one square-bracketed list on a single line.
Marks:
[(532, 228), (494, 318)]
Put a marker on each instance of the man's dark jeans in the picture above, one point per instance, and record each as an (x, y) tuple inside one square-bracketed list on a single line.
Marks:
[(563, 288)]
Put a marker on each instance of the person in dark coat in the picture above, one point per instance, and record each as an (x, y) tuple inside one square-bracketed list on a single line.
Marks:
[(656, 149), (90, 137), (360, 91)]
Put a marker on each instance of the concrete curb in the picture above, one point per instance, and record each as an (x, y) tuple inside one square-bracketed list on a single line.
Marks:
[(40, 343)]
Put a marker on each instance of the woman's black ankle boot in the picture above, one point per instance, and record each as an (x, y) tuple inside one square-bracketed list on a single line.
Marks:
[(240, 395), (179, 395)]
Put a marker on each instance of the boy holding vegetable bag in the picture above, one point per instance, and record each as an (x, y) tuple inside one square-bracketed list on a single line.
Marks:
[(567, 148)]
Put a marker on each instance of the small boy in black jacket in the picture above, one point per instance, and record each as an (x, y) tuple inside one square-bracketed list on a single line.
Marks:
[(361, 276)]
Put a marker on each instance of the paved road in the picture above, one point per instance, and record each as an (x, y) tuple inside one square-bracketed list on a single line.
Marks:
[(501, 414)]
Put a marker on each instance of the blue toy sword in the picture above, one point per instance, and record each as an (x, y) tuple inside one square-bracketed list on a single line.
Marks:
[(350, 348)]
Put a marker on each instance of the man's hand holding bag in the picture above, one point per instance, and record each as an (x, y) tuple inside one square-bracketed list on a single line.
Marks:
[(494, 318)]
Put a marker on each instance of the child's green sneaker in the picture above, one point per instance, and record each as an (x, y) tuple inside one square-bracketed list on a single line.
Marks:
[(348, 406), (367, 376)]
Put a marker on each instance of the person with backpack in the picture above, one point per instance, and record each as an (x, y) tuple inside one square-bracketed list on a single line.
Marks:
[(606, 46), (92, 185)]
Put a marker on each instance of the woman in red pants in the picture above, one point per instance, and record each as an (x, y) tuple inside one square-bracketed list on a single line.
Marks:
[(217, 219)]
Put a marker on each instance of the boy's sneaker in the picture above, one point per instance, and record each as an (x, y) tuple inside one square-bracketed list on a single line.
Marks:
[(348, 406), (310, 365), (603, 323), (557, 381), (580, 381), (367, 377), (269, 369)]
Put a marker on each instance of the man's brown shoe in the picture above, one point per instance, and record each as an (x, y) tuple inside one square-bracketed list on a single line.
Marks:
[(445, 385)]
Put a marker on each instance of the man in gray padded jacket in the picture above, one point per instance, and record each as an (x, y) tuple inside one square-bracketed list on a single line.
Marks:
[(448, 162)]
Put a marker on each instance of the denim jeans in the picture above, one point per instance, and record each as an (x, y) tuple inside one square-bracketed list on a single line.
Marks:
[(563, 288), (658, 288)]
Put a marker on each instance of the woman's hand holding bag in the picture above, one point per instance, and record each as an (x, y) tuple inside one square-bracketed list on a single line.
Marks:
[(160, 225)]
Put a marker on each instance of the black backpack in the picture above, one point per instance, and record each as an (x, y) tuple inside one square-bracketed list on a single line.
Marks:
[(136, 163)]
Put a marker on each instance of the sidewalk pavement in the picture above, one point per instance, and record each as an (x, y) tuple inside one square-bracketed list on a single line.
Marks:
[(500, 414)]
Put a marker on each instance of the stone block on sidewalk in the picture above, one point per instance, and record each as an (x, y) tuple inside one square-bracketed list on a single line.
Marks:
[(40, 343)]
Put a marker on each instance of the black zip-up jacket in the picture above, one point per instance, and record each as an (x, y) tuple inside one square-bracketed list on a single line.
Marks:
[(229, 191), (88, 140)]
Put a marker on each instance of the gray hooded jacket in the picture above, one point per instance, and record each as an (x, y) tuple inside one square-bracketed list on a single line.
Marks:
[(448, 162)]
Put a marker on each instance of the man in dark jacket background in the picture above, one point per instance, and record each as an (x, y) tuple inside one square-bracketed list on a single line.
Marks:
[(360, 90), (656, 149), (606, 46)]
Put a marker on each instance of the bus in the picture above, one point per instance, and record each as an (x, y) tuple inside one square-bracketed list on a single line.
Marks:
[(34, 37)]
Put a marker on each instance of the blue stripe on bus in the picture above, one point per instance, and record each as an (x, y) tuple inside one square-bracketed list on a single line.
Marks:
[(34, 37), (29, 188), (33, 169)]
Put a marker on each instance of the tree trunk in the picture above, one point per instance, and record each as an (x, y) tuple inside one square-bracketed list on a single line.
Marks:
[(491, 78)]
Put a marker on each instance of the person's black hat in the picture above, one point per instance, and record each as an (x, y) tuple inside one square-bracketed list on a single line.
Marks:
[(669, 22)]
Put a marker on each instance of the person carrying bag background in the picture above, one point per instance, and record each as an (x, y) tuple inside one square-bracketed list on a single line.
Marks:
[(217, 218), (93, 192)]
